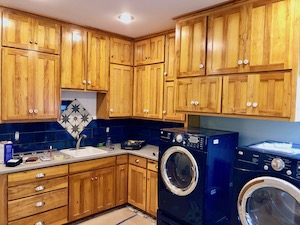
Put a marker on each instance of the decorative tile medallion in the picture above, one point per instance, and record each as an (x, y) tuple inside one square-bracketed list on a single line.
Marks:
[(75, 118)]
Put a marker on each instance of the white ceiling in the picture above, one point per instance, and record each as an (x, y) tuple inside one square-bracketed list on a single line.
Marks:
[(151, 15)]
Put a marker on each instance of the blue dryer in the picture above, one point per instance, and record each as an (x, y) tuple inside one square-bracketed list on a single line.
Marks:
[(194, 176), (266, 185)]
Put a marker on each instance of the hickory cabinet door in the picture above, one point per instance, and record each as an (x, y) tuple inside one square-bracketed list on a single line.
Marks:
[(121, 90), (170, 73), (98, 62), (157, 50), (73, 58), (140, 90), (141, 52), (121, 51), (121, 184), (191, 47)]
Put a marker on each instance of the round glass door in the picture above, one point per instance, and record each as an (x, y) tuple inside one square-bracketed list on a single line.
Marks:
[(179, 171), (269, 200)]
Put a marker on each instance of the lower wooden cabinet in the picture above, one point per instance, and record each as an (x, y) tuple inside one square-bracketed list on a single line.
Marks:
[(91, 192), (121, 184), (137, 186), (3, 202), (264, 94), (152, 188)]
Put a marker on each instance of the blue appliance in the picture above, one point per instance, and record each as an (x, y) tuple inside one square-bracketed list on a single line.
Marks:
[(194, 176), (266, 185)]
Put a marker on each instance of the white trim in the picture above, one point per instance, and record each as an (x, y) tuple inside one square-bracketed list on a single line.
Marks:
[(175, 190), (263, 182)]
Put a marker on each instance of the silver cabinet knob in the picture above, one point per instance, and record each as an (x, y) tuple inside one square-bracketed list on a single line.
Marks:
[(39, 204), (240, 62), (246, 61), (40, 188), (144, 110), (192, 102), (164, 111), (111, 110), (35, 111), (249, 104), (30, 111), (96, 178), (40, 175), (196, 103), (84, 81), (137, 161), (39, 223), (201, 66), (255, 104), (89, 82), (165, 73)]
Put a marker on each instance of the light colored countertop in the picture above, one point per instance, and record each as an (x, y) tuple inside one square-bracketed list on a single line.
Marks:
[(149, 152)]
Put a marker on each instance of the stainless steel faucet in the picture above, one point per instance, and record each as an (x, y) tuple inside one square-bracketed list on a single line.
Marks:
[(79, 140)]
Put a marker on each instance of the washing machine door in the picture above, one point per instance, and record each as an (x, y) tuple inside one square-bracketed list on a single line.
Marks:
[(269, 200), (179, 171)]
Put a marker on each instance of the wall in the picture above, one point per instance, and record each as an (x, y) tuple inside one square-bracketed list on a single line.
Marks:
[(252, 130)]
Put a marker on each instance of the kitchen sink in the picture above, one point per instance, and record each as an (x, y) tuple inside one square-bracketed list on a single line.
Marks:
[(82, 152)]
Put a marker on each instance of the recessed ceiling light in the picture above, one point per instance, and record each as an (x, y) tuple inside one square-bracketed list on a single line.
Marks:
[(125, 18)]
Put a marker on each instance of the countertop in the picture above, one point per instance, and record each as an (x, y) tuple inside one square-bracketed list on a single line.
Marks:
[(149, 152)]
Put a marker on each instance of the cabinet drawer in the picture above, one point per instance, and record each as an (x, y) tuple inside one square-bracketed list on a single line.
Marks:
[(54, 217), (92, 165), (138, 161), (24, 207), (37, 175), (152, 165), (122, 159), (27, 190)]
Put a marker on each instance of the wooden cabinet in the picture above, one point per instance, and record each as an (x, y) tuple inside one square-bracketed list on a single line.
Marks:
[(170, 73), (152, 193), (226, 41), (98, 62), (149, 51), (169, 110), (137, 186), (23, 31), (236, 44), (3, 202), (73, 58), (121, 51), (122, 180), (121, 91), (265, 94), (199, 94), (92, 187), (28, 78), (191, 47), (148, 91)]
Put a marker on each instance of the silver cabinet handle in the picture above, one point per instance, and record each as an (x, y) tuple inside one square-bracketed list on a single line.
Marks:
[(246, 61), (255, 104), (39, 204), (40, 175), (30, 111), (201, 66), (39, 223), (84, 81), (249, 104), (40, 188), (35, 111), (240, 62)]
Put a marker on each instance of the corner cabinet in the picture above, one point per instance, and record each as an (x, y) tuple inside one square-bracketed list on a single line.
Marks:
[(191, 47), (73, 58), (200, 94), (30, 32), (264, 94), (148, 91), (28, 78)]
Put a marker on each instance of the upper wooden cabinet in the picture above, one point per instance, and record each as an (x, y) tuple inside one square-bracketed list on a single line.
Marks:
[(265, 94), (29, 32), (73, 58), (149, 51), (28, 78), (170, 73), (199, 94), (191, 47), (121, 51), (121, 91), (148, 91), (98, 62), (237, 44)]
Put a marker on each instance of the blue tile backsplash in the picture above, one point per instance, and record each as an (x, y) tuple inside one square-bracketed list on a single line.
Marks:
[(42, 135)]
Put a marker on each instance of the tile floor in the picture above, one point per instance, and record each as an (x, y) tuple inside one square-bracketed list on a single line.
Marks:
[(122, 216)]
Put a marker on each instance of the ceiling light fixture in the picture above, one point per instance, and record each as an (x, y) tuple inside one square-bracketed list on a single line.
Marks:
[(125, 18)]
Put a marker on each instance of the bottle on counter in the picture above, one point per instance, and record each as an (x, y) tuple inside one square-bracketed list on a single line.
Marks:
[(108, 143)]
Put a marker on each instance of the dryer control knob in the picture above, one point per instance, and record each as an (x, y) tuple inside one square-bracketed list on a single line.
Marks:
[(289, 172), (266, 167), (179, 138), (277, 164)]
